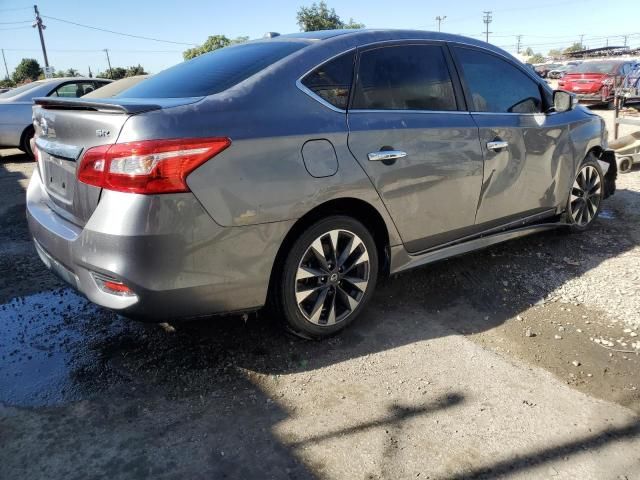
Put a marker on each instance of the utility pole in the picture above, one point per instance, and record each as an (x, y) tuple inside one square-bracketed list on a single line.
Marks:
[(519, 37), (581, 40), (5, 64), (440, 19), (90, 74), (106, 50), (626, 37), (41, 27), (487, 19)]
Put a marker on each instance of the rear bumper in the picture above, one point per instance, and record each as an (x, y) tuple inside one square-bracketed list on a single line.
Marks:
[(166, 248)]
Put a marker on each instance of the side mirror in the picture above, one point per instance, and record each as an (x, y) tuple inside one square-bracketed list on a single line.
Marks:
[(564, 101)]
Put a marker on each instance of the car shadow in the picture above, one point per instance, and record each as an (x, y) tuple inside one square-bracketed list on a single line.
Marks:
[(139, 399)]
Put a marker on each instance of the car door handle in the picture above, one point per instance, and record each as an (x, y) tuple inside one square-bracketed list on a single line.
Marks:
[(386, 155), (497, 145)]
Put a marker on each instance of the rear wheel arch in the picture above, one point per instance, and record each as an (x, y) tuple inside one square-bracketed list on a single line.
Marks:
[(358, 209)]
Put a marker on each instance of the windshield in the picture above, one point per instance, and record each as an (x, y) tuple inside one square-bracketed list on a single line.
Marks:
[(213, 72), (599, 67), (19, 90)]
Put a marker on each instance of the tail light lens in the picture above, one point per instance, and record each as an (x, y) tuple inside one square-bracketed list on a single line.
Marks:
[(147, 167)]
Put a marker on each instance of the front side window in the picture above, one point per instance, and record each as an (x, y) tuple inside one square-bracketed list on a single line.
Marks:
[(332, 80), (404, 77), (497, 86)]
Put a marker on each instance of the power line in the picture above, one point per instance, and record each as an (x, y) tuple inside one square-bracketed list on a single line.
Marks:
[(15, 28), (13, 23), (117, 33)]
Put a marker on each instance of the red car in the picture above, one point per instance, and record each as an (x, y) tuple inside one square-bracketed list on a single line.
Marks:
[(595, 82)]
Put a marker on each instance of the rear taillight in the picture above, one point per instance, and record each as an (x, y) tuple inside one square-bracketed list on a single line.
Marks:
[(147, 167)]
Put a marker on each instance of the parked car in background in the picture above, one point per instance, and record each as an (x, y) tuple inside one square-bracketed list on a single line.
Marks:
[(295, 170), (116, 88), (560, 71), (595, 82), (4, 89), (16, 129), (544, 68)]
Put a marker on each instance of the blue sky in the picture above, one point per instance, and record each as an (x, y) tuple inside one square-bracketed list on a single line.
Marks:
[(543, 24)]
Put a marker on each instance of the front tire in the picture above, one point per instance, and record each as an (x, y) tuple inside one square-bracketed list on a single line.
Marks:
[(327, 278), (586, 195)]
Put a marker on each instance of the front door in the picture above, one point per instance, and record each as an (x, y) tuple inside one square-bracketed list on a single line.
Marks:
[(527, 153), (408, 131)]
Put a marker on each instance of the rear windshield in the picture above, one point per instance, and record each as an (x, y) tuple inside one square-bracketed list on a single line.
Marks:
[(212, 72), (16, 91), (600, 67)]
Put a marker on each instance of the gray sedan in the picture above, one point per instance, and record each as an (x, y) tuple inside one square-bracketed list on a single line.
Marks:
[(15, 106), (294, 171)]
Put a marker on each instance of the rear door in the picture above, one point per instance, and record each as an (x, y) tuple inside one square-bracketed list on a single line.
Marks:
[(523, 148), (409, 131)]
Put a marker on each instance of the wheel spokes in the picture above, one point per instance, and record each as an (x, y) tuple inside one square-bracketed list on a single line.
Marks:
[(332, 277)]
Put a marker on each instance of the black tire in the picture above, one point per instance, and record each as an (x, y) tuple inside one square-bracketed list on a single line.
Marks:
[(585, 195), (625, 164), (288, 286), (25, 142)]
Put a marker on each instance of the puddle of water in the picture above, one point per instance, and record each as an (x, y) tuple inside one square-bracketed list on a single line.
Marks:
[(40, 342), (607, 214)]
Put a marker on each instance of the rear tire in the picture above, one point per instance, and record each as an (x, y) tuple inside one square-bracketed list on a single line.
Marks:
[(25, 142), (327, 278), (585, 195)]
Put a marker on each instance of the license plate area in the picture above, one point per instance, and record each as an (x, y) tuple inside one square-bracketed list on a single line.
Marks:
[(59, 176)]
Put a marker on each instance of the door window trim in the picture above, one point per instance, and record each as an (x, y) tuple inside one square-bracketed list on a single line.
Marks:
[(467, 94)]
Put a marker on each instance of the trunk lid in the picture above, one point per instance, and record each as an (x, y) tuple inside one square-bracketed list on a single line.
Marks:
[(65, 129)]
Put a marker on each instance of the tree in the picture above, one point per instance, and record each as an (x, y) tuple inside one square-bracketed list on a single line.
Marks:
[(555, 53), (213, 42), (319, 17), (528, 52), (72, 72), (536, 58), (27, 69), (576, 47), (7, 82), (133, 71)]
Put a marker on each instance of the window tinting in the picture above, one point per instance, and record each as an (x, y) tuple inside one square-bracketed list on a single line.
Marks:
[(213, 72), (406, 77), (332, 80), (496, 85)]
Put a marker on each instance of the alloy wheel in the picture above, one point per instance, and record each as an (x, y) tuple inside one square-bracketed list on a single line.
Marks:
[(586, 194), (332, 277)]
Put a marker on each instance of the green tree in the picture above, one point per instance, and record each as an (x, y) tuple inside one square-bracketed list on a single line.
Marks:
[(214, 42), (115, 73), (59, 74), (7, 82), (72, 72), (536, 58), (135, 70), (576, 47), (528, 52), (319, 17), (27, 69)]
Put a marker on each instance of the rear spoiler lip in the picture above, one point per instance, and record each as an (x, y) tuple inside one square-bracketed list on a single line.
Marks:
[(98, 106)]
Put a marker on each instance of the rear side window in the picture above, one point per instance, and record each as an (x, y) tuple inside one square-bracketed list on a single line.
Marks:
[(497, 86), (404, 77), (331, 81), (213, 72)]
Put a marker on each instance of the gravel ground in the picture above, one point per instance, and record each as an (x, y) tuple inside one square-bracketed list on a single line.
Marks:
[(519, 361)]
